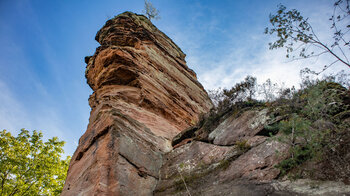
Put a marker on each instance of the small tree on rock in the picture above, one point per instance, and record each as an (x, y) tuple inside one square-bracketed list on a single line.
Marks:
[(150, 11)]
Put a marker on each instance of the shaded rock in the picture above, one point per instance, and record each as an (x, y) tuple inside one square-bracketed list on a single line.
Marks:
[(233, 188), (185, 134), (194, 161), (256, 140), (234, 129), (258, 163), (202, 165), (313, 187), (111, 154), (183, 142)]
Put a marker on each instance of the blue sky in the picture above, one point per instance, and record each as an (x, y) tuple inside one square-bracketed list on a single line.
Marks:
[(43, 45)]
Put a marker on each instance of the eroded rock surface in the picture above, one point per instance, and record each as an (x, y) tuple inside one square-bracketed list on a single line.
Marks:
[(242, 162), (240, 128), (202, 165), (144, 94), (141, 140)]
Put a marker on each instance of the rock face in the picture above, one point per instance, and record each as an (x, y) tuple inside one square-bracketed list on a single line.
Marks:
[(143, 137), (144, 94), (234, 129), (239, 162)]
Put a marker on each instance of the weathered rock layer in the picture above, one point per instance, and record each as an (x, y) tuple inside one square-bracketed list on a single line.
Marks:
[(144, 94), (141, 140)]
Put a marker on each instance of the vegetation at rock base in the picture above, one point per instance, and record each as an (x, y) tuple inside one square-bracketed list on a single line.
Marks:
[(313, 120), (30, 166), (314, 129), (228, 102), (295, 33), (243, 145)]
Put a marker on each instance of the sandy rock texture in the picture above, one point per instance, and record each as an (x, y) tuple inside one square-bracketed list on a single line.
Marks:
[(240, 160), (144, 94), (143, 137)]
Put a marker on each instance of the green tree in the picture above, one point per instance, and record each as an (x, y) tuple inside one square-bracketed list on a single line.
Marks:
[(295, 33), (150, 11), (29, 166), (310, 128)]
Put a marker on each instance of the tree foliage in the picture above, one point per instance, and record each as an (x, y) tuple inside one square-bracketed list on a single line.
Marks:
[(150, 11), (311, 117), (29, 166), (242, 91), (313, 120), (295, 33)]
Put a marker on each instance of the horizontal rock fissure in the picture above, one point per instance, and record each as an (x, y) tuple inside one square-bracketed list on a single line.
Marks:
[(94, 139), (227, 145), (141, 171)]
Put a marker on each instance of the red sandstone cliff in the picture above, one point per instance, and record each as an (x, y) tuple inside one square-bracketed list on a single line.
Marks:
[(145, 100), (144, 94)]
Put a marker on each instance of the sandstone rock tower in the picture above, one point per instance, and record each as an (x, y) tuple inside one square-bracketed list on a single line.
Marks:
[(144, 94)]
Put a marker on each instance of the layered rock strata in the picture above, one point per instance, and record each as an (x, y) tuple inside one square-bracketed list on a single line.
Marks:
[(239, 160), (140, 139), (239, 157), (144, 94)]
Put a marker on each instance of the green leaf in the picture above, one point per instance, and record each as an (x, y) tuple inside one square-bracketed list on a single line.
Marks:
[(29, 166)]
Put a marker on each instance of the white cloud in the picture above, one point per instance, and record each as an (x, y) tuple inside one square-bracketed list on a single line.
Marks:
[(264, 65), (249, 55), (268, 64)]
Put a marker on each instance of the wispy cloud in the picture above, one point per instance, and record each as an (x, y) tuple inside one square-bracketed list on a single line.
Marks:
[(14, 116), (264, 64), (35, 95), (247, 52)]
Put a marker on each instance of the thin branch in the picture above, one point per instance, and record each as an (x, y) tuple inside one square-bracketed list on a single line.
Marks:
[(183, 180), (342, 8), (341, 50), (310, 56), (29, 187), (14, 190), (336, 30), (291, 29), (312, 30), (336, 56), (326, 67), (301, 45), (3, 180)]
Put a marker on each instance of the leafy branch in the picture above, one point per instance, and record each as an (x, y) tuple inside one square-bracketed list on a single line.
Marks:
[(295, 33)]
